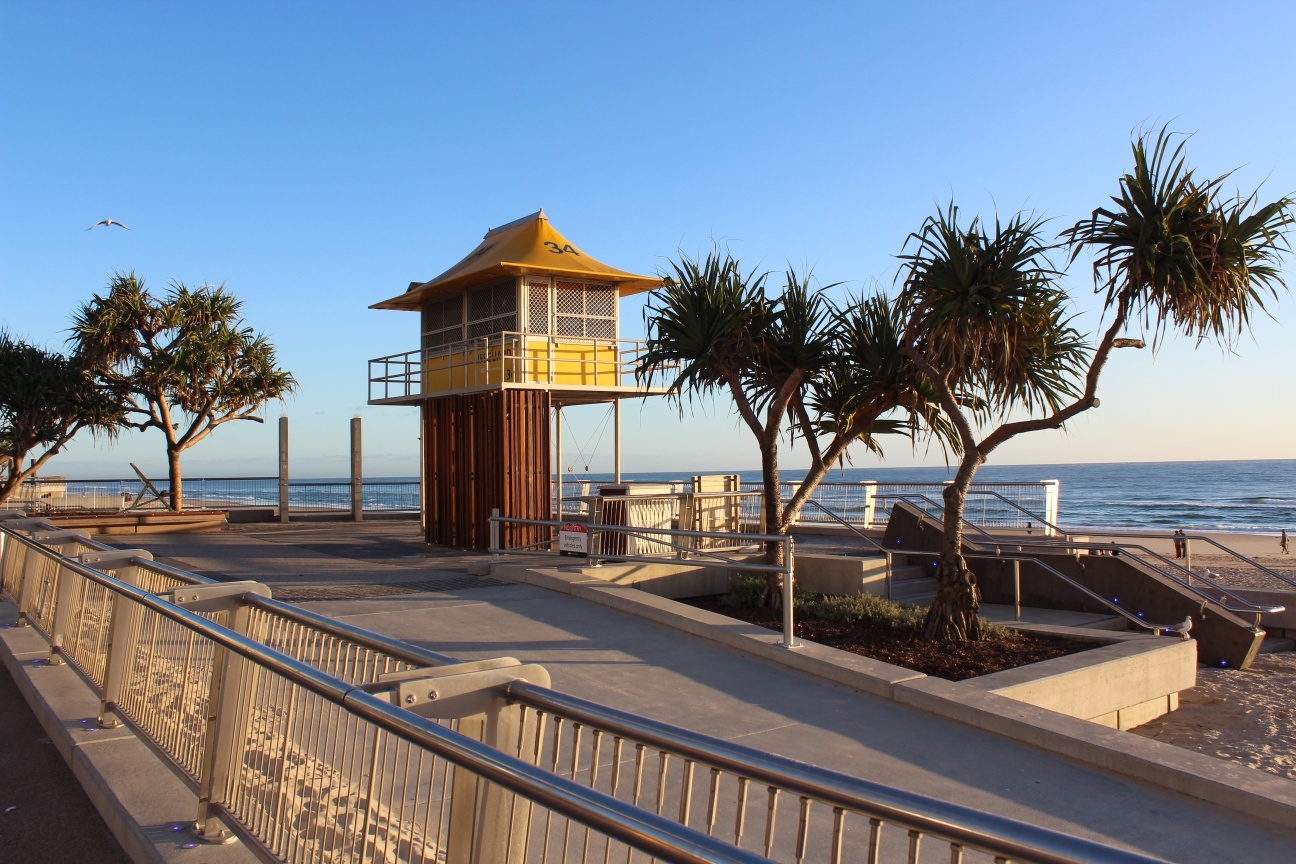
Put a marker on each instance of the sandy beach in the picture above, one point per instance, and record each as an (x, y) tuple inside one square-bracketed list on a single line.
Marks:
[(1242, 716)]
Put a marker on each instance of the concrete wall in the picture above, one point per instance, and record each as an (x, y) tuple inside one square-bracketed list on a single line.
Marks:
[(1121, 685), (837, 574)]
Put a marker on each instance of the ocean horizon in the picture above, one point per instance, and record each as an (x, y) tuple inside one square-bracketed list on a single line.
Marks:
[(1241, 495)]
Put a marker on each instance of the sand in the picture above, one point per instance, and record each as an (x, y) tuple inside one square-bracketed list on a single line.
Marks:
[(1244, 717)]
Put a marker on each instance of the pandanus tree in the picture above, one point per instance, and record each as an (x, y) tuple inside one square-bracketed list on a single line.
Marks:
[(46, 399), (184, 363), (1171, 254), (793, 364)]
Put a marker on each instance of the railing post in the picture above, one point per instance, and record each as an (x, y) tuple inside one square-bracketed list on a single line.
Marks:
[(27, 586), (357, 478), (789, 593), (487, 824), (283, 468), (495, 534), (224, 727), (121, 626), (64, 589), (1016, 570)]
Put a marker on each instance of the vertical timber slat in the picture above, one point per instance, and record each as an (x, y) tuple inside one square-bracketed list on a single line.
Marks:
[(486, 450)]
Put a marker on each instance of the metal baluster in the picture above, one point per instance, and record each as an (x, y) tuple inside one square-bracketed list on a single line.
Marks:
[(803, 829), (663, 765), (771, 812), (594, 769), (617, 741), (638, 784), (956, 853), (686, 793), (740, 818), (915, 843), (713, 797), (575, 767), (553, 769), (838, 835), (875, 841)]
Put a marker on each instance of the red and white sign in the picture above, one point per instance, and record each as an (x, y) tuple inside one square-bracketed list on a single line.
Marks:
[(572, 537)]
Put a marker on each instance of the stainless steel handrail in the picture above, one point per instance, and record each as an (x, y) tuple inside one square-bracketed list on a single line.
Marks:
[(1016, 506), (1205, 539), (1087, 591), (910, 496), (962, 825), (1239, 604), (848, 525), (885, 551), (641, 829)]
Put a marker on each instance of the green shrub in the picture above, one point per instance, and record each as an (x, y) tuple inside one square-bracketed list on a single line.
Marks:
[(745, 591), (996, 632), (863, 607)]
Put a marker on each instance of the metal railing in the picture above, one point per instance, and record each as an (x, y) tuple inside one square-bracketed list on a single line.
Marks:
[(1210, 541), (319, 741), (1196, 583), (506, 359), (309, 766), (990, 506), (208, 493)]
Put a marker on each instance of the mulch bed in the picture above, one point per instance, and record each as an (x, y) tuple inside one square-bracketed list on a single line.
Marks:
[(954, 661)]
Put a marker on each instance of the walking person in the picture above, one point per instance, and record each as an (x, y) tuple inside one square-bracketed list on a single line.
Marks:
[(1282, 543), (1178, 543)]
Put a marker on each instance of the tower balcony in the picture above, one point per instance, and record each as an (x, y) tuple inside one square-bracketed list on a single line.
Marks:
[(575, 370)]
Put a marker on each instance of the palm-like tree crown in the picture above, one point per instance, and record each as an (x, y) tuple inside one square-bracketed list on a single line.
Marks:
[(1177, 254), (985, 310)]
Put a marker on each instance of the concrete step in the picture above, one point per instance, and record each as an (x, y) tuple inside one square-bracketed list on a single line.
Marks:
[(1274, 644), (914, 591), (911, 573)]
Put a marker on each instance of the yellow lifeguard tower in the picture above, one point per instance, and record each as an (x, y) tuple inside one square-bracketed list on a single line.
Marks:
[(524, 325)]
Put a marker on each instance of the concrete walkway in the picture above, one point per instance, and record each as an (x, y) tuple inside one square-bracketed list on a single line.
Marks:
[(623, 661)]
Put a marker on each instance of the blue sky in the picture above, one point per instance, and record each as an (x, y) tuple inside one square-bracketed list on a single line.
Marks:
[(317, 157)]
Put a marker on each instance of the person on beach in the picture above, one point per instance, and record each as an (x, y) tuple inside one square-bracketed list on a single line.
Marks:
[(1282, 543), (1178, 543)]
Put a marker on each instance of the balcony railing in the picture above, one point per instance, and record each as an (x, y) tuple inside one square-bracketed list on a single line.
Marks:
[(505, 360)]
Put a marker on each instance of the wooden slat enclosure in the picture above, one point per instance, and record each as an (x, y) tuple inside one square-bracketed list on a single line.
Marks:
[(482, 451)]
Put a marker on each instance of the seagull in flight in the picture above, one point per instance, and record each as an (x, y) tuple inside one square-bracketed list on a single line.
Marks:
[(108, 223)]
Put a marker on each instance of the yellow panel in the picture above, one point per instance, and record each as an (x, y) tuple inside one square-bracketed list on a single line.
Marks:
[(565, 364), (572, 363)]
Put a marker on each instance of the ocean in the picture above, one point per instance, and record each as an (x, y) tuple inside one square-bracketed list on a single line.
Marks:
[(1249, 496), (1242, 496)]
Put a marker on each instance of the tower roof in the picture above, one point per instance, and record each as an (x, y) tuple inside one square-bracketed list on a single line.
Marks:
[(525, 246)]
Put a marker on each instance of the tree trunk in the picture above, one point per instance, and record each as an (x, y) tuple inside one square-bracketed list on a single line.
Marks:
[(953, 614), (773, 597), (174, 477)]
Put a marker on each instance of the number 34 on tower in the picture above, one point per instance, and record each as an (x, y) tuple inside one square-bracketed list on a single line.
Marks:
[(559, 250)]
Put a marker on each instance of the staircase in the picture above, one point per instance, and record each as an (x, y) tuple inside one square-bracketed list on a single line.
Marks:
[(912, 583), (1060, 579)]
